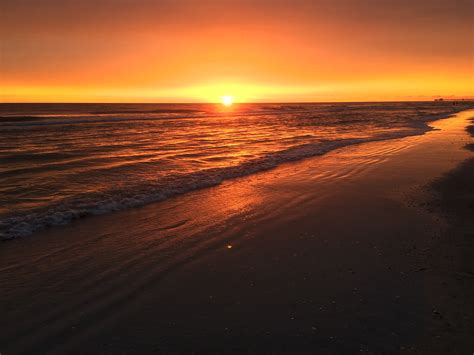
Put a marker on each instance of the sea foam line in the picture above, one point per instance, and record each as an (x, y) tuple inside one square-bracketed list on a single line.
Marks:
[(137, 196)]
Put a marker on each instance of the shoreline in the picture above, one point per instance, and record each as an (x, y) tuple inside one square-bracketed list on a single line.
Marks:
[(328, 253), (34, 222)]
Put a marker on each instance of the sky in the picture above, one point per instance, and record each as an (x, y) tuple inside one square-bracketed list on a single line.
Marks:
[(254, 50)]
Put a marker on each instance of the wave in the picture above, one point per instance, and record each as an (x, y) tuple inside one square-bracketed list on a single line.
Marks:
[(168, 110), (135, 196), (64, 120), (12, 119), (12, 122)]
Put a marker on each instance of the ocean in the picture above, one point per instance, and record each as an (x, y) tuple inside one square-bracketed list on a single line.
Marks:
[(62, 162)]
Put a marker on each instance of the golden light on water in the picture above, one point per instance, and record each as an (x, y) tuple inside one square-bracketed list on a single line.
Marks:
[(227, 100)]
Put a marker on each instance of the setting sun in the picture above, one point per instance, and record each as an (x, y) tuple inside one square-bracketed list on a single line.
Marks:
[(227, 100)]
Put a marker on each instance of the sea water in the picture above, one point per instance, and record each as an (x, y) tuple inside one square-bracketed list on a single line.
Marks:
[(61, 162)]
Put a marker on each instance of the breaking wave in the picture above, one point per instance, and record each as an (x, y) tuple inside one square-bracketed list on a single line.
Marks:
[(139, 195)]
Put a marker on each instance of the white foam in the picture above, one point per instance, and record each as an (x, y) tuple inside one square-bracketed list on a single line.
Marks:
[(136, 196)]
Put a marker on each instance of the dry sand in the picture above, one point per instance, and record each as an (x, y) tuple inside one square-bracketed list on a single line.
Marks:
[(363, 250)]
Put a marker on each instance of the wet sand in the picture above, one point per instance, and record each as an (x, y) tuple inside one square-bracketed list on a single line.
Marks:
[(338, 254), (450, 260)]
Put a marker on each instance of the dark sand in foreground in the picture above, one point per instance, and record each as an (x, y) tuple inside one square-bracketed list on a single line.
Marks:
[(363, 250)]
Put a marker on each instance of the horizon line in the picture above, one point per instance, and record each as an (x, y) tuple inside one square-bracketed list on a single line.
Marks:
[(437, 99)]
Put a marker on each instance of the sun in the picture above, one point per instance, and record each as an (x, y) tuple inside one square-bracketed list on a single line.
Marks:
[(227, 100)]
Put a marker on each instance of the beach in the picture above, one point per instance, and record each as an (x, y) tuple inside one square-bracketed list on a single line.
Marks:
[(363, 249)]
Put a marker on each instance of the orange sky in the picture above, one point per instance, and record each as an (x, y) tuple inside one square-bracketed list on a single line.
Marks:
[(198, 50)]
